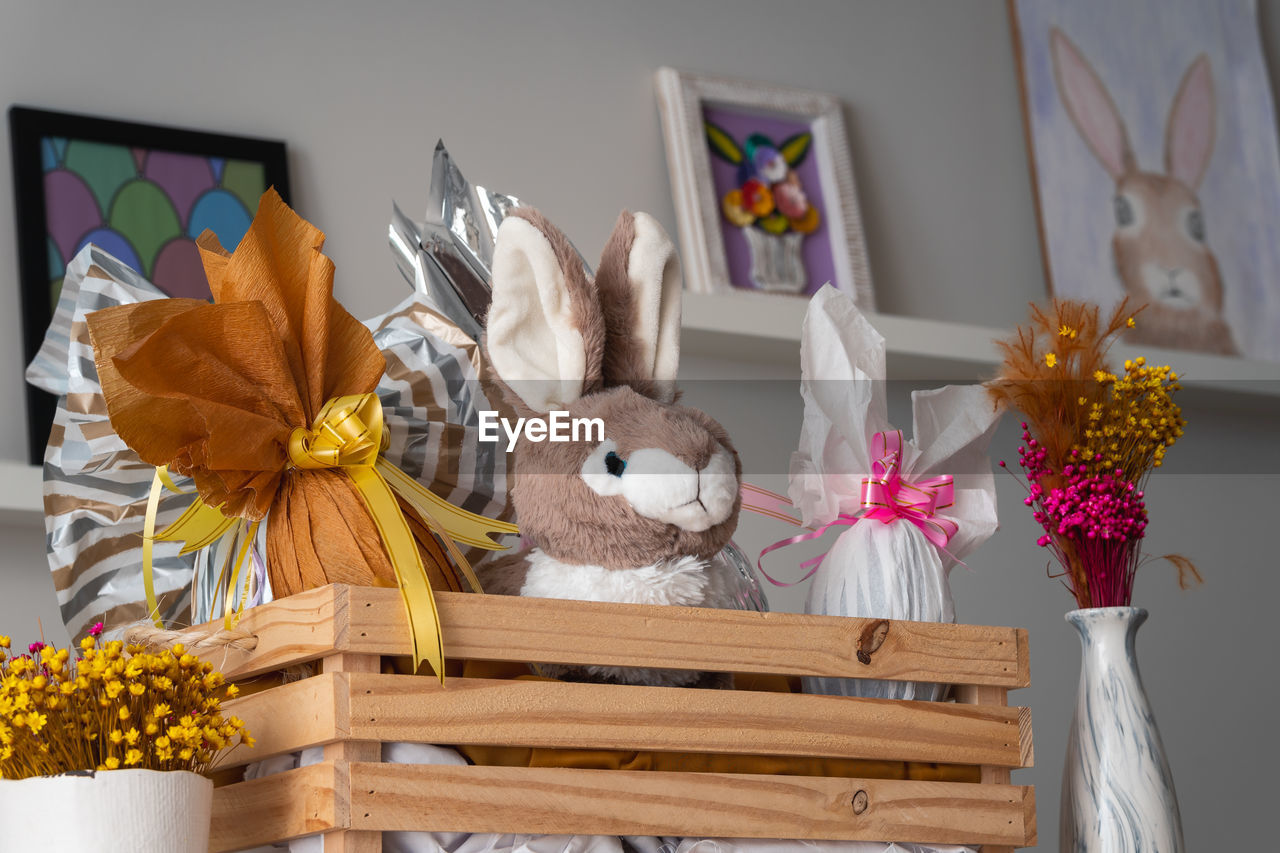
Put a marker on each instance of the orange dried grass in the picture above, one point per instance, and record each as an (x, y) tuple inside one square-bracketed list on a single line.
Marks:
[(1048, 391)]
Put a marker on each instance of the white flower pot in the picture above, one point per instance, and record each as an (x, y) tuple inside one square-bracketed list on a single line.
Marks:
[(114, 811)]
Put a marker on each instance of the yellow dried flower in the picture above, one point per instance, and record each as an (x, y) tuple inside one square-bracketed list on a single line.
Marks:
[(1051, 359), (58, 715)]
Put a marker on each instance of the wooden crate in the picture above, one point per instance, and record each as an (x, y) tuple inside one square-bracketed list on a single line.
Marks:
[(350, 708)]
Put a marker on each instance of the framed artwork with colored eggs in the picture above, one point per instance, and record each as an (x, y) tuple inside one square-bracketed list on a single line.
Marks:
[(763, 183), (141, 192)]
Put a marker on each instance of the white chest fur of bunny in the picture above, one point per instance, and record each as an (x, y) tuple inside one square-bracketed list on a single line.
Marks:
[(684, 581), (637, 516)]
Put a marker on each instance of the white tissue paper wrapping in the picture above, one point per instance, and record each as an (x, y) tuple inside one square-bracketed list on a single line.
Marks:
[(878, 570)]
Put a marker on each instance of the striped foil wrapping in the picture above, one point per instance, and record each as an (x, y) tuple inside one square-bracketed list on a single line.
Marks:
[(96, 488)]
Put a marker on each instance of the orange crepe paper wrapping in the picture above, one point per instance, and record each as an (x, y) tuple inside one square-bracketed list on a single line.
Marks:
[(217, 392)]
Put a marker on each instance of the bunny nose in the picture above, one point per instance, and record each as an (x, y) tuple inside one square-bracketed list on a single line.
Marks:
[(663, 487)]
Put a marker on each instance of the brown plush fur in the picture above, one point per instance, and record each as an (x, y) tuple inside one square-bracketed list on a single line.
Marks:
[(623, 361), (559, 513), (555, 509), (587, 316)]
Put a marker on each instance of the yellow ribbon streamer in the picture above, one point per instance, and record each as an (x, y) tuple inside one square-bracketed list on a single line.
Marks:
[(198, 527), (348, 434), (148, 545)]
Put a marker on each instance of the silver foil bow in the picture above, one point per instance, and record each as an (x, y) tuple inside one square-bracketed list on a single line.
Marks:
[(449, 254)]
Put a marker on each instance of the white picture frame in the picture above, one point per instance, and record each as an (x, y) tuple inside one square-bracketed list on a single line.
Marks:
[(712, 252)]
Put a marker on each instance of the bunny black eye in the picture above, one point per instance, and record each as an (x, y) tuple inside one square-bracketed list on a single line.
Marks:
[(1195, 225), (614, 464), (1123, 211)]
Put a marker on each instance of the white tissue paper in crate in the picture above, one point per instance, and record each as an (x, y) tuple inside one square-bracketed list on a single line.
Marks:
[(893, 561)]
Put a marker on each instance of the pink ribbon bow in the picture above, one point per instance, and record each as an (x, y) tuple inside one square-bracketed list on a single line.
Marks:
[(886, 497)]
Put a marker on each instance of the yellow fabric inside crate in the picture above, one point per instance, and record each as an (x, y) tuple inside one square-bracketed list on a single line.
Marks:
[(609, 759)]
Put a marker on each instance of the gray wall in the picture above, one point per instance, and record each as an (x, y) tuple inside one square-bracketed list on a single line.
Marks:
[(553, 101)]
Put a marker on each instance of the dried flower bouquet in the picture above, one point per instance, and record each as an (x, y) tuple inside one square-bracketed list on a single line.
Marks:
[(1090, 440)]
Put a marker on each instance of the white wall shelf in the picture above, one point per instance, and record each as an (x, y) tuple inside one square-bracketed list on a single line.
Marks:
[(755, 330), (21, 492), (765, 330)]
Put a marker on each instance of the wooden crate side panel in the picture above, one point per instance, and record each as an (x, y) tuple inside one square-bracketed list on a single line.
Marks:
[(371, 707), (292, 716), (291, 630), (593, 716), (288, 805), (998, 697), (371, 621), (509, 628), (562, 800)]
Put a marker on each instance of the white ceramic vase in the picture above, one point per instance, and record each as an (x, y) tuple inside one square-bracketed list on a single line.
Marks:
[(1117, 791), (776, 263), (114, 811)]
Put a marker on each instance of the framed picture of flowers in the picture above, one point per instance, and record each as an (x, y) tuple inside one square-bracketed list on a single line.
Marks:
[(141, 192), (763, 186)]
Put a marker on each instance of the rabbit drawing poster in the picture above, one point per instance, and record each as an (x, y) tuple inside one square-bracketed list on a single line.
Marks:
[(1154, 150)]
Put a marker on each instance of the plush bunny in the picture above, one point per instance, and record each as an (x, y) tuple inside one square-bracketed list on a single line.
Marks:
[(635, 514), (1160, 249)]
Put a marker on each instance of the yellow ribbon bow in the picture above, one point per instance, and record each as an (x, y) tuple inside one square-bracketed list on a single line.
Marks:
[(348, 434)]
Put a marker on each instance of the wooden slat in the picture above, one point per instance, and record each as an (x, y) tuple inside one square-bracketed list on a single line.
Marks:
[(368, 620), (999, 697), (288, 805), (350, 750), (595, 716), (594, 633), (290, 630), (563, 800), (287, 718), (352, 841), (374, 707)]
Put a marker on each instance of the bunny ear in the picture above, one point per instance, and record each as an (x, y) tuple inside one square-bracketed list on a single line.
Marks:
[(1090, 106), (1188, 138), (544, 332), (639, 285)]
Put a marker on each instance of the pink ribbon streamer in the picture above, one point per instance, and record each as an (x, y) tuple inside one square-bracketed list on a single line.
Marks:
[(886, 497)]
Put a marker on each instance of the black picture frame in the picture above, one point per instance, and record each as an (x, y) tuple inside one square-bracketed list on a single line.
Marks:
[(27, 128)]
